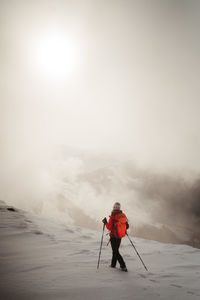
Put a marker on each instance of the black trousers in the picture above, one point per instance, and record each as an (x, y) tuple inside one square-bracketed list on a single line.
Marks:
[(116, 256)]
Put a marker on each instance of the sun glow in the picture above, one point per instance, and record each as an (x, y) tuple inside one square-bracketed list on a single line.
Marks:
[(56, 56)]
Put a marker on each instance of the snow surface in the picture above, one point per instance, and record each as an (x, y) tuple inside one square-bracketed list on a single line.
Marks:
[(44, 259)]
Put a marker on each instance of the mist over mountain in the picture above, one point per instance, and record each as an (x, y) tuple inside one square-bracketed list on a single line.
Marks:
[(160, 206), (80, 187)]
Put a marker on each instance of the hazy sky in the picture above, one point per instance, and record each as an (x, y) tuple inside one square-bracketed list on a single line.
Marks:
[(117, 76)]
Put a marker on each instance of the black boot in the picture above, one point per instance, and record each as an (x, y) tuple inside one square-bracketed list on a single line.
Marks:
[(124, 269)]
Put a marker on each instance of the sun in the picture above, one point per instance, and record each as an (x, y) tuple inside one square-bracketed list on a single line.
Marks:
[(56, 55)]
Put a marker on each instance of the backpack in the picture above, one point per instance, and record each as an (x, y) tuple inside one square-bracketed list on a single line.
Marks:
[(120, 225)]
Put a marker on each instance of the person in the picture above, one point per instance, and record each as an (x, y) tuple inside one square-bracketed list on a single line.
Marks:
[(117, 225)]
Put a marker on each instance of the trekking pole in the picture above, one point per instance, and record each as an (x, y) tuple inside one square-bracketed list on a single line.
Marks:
[(101, 246), (136, 251)]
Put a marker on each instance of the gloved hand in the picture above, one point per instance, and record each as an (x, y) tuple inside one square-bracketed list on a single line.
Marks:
[(105, 221)]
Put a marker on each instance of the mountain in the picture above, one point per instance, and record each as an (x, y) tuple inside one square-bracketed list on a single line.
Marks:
[(47, 259), (80, 187)]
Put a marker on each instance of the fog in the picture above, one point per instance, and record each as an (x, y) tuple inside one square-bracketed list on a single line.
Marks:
[(115, 88)]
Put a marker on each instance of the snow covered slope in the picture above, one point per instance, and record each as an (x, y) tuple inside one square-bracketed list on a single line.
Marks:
[(42, 259)]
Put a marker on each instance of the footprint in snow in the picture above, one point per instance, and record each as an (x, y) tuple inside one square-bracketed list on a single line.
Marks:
[(69, 230), (142, 275), (28, 221), (86, 237), (84, 251), (192, 293), (153, 280), (176, 285)]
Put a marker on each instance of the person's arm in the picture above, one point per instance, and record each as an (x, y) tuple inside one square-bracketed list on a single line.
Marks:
[(109, 224)]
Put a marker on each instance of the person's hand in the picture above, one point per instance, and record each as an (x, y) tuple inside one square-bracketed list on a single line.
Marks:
[(104, 221)]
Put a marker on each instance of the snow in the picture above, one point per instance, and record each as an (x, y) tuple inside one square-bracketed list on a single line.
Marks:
[(44, 259)]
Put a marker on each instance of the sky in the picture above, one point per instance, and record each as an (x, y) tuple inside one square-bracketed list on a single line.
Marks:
[(128, 82)]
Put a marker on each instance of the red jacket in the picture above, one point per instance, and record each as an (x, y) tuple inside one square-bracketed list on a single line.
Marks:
[(117, 224)]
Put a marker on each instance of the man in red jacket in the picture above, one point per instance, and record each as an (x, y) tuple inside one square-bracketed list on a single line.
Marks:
[(117, 225)]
